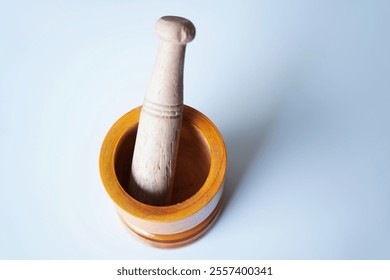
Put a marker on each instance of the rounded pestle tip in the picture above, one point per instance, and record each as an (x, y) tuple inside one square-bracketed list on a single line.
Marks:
[(175, 29)]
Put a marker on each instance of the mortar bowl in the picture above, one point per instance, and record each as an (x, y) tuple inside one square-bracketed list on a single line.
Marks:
[(198, 184)]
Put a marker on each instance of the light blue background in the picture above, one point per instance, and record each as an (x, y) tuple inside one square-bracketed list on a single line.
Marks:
[(300, 90)]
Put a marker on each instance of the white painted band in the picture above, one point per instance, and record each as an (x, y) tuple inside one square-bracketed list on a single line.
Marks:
[(147, 228)]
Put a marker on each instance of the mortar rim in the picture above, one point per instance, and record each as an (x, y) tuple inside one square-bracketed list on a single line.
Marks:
[(171, 213)]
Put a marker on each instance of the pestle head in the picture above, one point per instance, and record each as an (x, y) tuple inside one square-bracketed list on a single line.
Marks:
[(175, 30)]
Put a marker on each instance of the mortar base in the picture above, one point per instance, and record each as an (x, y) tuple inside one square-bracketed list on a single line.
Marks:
[(178, 239)]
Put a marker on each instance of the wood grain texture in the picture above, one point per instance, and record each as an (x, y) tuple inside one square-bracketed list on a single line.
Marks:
[(155, 153), (196, 199)]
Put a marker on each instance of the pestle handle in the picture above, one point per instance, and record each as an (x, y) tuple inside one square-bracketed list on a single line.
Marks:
[(155, 152)]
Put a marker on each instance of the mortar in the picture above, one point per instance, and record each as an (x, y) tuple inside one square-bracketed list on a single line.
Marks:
[(198, 184)]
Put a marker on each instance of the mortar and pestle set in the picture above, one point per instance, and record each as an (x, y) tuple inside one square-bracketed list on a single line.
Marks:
[(163, 164)]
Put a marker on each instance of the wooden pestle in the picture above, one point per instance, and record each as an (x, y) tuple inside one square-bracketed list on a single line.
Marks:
[(155, 152)]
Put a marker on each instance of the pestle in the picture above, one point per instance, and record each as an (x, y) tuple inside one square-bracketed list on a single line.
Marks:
[(155, 151)]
